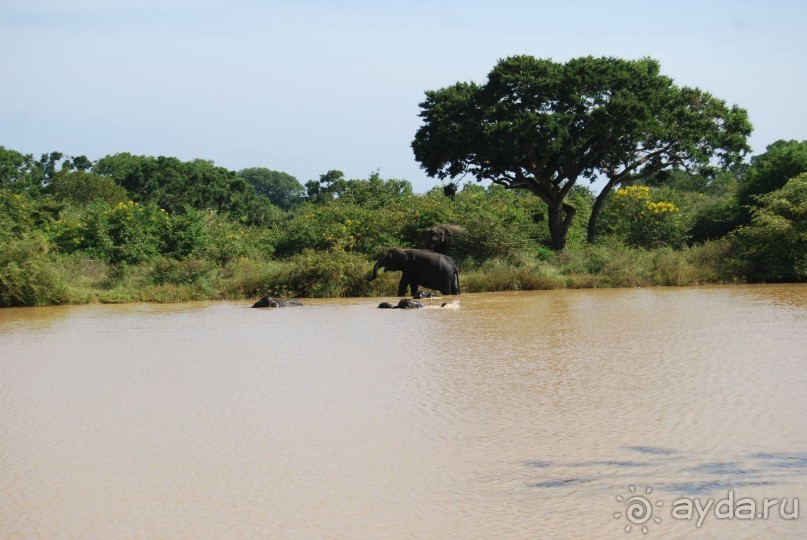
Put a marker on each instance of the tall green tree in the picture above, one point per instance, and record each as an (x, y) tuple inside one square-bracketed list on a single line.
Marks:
[(770, 171), (19, 172), (282, 189), (542, 126)]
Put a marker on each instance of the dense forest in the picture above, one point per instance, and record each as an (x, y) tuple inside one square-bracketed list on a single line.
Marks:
[(140, 228)]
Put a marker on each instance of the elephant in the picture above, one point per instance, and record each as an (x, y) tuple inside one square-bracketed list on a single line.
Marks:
[(268, 301), (420, 267), (438, 238), (420, 295), (405, 303)]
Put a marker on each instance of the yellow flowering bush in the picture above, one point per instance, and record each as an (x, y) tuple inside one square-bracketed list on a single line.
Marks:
[(632, 193), (642, 221)]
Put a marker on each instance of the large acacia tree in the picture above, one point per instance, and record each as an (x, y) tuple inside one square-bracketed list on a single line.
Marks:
[(541, 126)]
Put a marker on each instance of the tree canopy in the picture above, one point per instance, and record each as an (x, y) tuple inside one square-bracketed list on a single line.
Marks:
[(173, 184), (281, 188), (770, 171), (541, 126)]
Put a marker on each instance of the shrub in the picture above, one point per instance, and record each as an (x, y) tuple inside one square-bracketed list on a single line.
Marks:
[(340, 226), (500, 275), (28, 276), (634, 216), (774, 246), (322, 274), (126, 232)]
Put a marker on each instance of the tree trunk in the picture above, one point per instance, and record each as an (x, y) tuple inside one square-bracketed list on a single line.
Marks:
[(591, 235), (560, 219)]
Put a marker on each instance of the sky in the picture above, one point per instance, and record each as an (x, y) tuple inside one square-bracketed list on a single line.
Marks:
[(307, 86)]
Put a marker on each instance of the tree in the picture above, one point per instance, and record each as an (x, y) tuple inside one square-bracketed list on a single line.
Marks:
[(173, 184), (770, 171), (773, 247), (322, 190), (282, 189), (659, 128), (19, 172), (375, 192), (80, 187), (541, 126)]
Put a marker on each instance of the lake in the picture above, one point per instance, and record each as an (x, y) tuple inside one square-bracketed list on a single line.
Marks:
[(563, 414)]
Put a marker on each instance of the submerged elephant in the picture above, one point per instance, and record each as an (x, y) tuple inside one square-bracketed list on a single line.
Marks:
[(268, 301), (420, 267), (405, 303), (438, 238)]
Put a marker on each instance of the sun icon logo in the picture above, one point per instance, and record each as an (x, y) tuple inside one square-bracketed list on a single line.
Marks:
[(638, 509)]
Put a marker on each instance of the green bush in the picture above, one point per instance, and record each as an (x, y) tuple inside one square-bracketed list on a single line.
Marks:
[(322, 274), (81, 188), (499, 224), (126, 232), (774, 246), (637, 215), (28, 275), (183, 272), (340, 226)]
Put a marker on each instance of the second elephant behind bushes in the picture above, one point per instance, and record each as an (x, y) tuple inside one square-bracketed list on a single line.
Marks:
[(439, 237), (420, 267)]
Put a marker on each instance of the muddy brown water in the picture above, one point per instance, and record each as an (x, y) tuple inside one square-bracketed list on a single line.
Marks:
[(507, 415)]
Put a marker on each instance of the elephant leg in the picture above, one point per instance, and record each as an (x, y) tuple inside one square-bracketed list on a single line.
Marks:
[(402, 285)]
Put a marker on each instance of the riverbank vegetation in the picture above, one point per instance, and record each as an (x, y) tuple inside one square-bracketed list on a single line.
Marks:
[(138, 228)]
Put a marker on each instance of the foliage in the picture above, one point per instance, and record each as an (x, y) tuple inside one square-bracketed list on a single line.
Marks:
[(173, 185), (770, 171), (126, 232), (774, 246), (68, 237), (81, 188), (639, 220), (499, 275), (28, 276), (541, 126), (499, 224), (334, 273), (342, 226), (283, 190), (19, 173), (364, 216)]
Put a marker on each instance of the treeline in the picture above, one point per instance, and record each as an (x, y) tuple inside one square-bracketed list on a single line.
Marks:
[(130, 228)]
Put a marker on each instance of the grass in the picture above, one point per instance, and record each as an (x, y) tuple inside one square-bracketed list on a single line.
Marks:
[(29, 275)]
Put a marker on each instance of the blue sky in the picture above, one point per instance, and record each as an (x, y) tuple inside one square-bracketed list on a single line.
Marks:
[(307, 86)]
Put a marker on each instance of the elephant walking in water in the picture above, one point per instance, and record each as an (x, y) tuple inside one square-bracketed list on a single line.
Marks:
[(420, 267)]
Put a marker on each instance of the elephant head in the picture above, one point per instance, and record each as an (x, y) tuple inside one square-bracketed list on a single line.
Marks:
[(394, 259), (268, 301), (438, 238)]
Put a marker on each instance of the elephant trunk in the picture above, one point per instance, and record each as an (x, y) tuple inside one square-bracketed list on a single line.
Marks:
[(378, 265)]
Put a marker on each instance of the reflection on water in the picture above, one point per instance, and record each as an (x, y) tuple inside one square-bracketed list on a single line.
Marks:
[(515, 415)]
